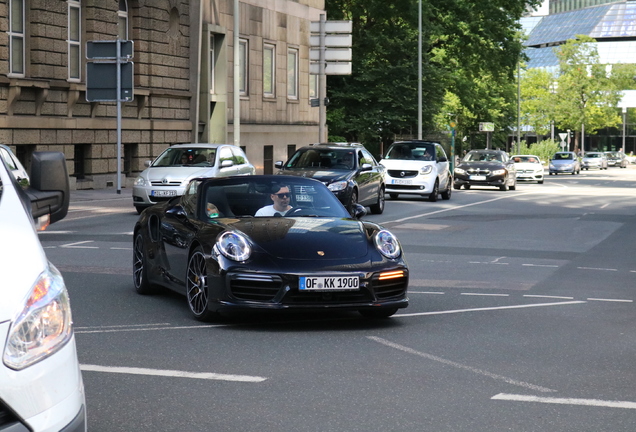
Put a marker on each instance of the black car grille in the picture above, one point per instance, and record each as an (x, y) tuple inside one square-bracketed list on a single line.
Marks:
[(389, 288), (402, 173), (261, 288), (7, 418), (478, 171)]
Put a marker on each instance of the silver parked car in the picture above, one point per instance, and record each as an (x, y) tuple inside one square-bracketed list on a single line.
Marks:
[(594, 160), (173, 169)]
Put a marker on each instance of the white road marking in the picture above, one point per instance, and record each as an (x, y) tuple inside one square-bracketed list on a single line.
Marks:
[(565, 401), (540, 265), (604, 205), (57, 232), (459, 365), (124, 326), (75, 245), (596, 268), (488, 309), (171, 373), (426, 292), (547, 296), (485, 294), (122, 330), (121, 248), (611, 300)]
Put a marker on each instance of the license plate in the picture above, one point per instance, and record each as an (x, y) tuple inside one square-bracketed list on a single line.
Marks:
[(329, 283), (478, 177), (401, 182), (163, 193), (304, 198)]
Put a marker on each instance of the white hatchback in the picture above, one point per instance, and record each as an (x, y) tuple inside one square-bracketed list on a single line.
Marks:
[(169, 174), (41, 387), (417, 168)]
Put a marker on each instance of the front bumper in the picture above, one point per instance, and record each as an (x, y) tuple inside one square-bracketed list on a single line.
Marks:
[(416, 185), (464, 179), (145, 196), (560, 169)]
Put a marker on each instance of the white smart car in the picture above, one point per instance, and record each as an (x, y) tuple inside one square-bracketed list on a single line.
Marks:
[(41, 387), (529, 168), (417, 168), (168, 175)]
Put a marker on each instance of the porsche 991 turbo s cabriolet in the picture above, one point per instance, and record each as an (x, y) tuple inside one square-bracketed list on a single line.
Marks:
[(210, 245)]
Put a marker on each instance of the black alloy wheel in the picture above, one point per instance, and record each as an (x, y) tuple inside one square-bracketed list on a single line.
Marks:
[(353, 200), (197, 287), (433, 195), (446, 195), (378, 207), (140, 271)]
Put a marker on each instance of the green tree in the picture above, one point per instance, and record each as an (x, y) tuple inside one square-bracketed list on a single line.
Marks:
[(538, 99), (586, 94)]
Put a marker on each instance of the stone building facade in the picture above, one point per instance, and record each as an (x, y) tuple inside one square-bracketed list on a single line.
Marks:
[(183, 80)]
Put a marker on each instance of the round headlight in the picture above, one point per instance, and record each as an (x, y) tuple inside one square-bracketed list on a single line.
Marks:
[(234, 246), (387, 244)]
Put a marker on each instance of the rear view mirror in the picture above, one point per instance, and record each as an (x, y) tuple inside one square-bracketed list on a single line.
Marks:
[(49, 191)]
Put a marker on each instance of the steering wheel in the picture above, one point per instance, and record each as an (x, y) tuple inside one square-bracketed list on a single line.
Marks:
[(298, 211)]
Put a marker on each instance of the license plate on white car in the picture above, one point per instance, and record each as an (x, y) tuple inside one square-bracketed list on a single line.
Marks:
[(163, 193), (478, 177), (401, 182), (329, 283)]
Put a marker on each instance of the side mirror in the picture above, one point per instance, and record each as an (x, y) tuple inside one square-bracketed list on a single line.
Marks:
[(359, 211), (177, 212), (278, 164), (442, 159), (227, 163), (49, 191), (366, 167), (147, 163)]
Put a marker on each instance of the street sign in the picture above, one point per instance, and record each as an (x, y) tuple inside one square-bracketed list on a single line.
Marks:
[(101, 82), (331, 54), (331, 68), (332, 26), (563, 136), (332, 40), (486, 127), (107, 50)]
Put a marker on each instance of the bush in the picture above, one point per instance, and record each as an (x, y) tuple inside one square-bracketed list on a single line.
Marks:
[(544, 149)]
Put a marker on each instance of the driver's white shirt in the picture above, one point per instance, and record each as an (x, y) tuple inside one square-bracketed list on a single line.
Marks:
[(270, 211)]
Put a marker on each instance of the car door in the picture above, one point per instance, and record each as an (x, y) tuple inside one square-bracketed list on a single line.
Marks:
[(369, 181), (226, 164), (240, 161), (178, 228), (441, 161)]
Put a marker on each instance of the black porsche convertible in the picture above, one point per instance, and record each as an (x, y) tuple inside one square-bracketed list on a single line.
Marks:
[(210, 245)]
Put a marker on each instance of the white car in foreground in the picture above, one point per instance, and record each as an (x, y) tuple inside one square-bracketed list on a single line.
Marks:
[(529, 168), (41, 387)]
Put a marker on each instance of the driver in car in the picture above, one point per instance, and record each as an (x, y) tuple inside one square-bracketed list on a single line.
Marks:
[(280, 197)]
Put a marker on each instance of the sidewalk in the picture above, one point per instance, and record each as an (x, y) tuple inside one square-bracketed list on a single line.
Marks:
[(108, 194)]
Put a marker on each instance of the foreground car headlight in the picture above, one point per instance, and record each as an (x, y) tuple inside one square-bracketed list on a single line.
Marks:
[(387, 244), (234, 246), (140, 181), (337, 186), (44, 325), (459, 170), (426, 170), (499, 172)]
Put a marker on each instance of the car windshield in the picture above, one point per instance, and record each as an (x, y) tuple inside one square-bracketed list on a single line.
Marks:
[(411, 151), (525, 159), (592, 155), (563, 156), (184, 156), (483, 157), (241, 197), (328, 158)]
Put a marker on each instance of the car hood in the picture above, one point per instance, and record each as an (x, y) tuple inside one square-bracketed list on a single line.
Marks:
[(491, 165), (177, 173), (324, 175), (307, 238), (410, 165), (527, 166), (592, 159), (22, 258), (562, 162)]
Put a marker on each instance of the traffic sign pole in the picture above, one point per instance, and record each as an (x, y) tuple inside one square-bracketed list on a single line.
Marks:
[(118, 116)]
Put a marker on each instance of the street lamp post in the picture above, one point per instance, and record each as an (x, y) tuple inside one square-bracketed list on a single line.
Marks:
[(419, 73)]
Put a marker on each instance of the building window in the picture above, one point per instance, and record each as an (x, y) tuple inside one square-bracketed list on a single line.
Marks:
[(16, 37), (269, 70), (74, 40), (212, 63), (243, 70), (292, 73), (122, 20)]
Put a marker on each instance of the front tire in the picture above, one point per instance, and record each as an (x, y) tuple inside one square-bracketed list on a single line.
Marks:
[(140, 268), (433, 195), (353, 200), (446, 195), (197, 290)]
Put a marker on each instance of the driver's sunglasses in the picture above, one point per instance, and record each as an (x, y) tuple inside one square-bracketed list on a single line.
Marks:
[(283, 195)]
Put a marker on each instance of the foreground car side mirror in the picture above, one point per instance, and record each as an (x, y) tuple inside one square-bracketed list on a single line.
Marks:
[(359, 211), (278, 164), (49, 191), (177, 212)]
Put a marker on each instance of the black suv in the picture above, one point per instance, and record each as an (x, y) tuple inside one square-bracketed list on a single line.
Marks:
[(347, 169)]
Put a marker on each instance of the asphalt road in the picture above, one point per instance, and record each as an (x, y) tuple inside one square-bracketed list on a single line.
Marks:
[(521, 318)]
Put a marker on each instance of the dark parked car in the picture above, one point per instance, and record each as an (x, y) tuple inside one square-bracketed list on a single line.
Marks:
[(486, 168), (347, 169), (209, 245), (616, 159)]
